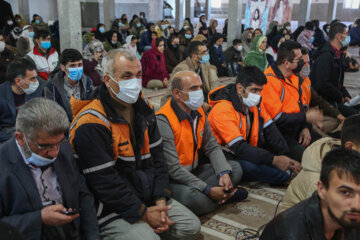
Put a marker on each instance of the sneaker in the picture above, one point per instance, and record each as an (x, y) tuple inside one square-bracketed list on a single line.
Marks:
[(239, 195)]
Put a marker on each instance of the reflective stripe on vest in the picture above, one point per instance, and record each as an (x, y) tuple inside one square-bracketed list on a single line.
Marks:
[(283, 88)]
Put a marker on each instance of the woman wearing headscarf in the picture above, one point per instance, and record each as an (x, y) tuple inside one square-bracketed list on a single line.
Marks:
[(297, 32), (271, 52), (87, 38), (137, 28), (8, 27), (306, 37), (130, 44), (272, 31), (216, 54), (20, 21), (185, 27), (355, 33), (246, 38), (92, 55), (99, 32), (257, 57), (111, 41), (154, 72), (212, 28), (173, 54), (25, 43)]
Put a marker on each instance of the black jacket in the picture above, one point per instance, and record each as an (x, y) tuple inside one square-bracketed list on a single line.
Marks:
[(304, 221), (327, 74), (126, 189), (232, 55), (269, 137), (20, 203)]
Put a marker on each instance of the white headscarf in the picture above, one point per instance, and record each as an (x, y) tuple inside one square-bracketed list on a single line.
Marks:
[(26, 34), (128, 44)]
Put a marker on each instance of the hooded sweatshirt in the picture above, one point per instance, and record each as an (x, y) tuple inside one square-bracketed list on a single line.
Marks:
[(257, 57)]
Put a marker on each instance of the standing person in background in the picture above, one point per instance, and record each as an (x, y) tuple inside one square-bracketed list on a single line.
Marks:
[(6, 56), (224, 32), (93, 54), (43, 55), (143, 19), (319, 38), (154, 72), (212, 28), (173, 54), (8, 27), (5, 12)]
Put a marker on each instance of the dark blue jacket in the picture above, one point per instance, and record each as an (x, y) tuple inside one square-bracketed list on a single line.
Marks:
[(145, 40), (355, 36), (8, 109)]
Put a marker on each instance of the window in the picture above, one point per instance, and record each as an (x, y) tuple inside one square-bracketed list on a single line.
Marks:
[(351, 4)]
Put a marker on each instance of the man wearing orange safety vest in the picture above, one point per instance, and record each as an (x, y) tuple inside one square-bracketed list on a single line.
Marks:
[(246, 131), (119, 151), (282, 99), (200, 176)]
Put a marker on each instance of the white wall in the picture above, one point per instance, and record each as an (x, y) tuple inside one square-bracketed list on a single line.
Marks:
[(45, 8)]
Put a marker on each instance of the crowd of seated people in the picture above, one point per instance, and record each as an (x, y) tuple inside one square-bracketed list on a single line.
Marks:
[(94, 159)]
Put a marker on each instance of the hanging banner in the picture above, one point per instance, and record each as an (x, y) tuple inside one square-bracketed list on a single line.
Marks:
[(256, 14), (280, 11)]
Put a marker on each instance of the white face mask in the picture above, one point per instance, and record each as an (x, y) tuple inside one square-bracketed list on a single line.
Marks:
[(32, 87), (305, 71), (128, 90), (2, 46), (196, 99), (239, 48), (252, 100)]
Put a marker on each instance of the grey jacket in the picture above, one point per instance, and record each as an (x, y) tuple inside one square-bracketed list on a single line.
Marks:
[(209, 147), (55, 90)]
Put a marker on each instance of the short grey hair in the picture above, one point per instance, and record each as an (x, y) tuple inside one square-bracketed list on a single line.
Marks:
[(41, 115), (176, 81), (108, 60)]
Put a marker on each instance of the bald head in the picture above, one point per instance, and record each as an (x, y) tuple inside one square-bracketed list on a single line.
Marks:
[(184, 80)]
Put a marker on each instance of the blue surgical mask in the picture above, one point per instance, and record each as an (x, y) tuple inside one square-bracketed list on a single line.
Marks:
[(188, 36), (113, 42), (102, 29), (312, 39), (45, 45), (75, 74), (31, 34), (196, 99), (346, 41), (138, 25), (328, 30), (37, 21), (120, 24), (38, 160), (205, 59)]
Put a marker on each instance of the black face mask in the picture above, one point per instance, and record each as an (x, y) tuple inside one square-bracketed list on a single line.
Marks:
[(175, 46), (248, 40), (300, 65)]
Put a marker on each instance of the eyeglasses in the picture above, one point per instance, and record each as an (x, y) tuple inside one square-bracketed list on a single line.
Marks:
[(48, 147)]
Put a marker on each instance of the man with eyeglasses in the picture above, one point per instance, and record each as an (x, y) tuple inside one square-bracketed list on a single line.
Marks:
[(327, 72), (282, 99), (21, 86), (42, 193)]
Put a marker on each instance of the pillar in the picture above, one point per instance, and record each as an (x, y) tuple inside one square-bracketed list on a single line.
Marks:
[(189, 9), (69, 12), (109, 13), (24, 10), (235, 18), (304, 13), (208, 9), (331, 15), (179, 14), (156, 11)]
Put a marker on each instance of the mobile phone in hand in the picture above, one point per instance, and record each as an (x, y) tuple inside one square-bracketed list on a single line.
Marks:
[(73, 212)]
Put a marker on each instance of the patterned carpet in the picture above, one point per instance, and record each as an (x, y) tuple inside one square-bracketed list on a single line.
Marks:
[(242, 219)]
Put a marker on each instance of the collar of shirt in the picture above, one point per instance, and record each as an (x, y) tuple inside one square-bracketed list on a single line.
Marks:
[(22, 154), (337, 51)]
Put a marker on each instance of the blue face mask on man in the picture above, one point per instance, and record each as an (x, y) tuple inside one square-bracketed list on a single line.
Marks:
[(36, 159), (138, 25), (75, 74), (102, 29), (205, 59), (45, 45), (346, 41), (188, 36), (312, 39)]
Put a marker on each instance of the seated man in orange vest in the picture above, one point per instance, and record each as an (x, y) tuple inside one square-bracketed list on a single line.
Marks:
[(247, 133), (200, 176), (120, 152), (282, 99)]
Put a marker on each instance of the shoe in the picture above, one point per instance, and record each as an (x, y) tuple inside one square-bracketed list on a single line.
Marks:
[(239, 195)]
